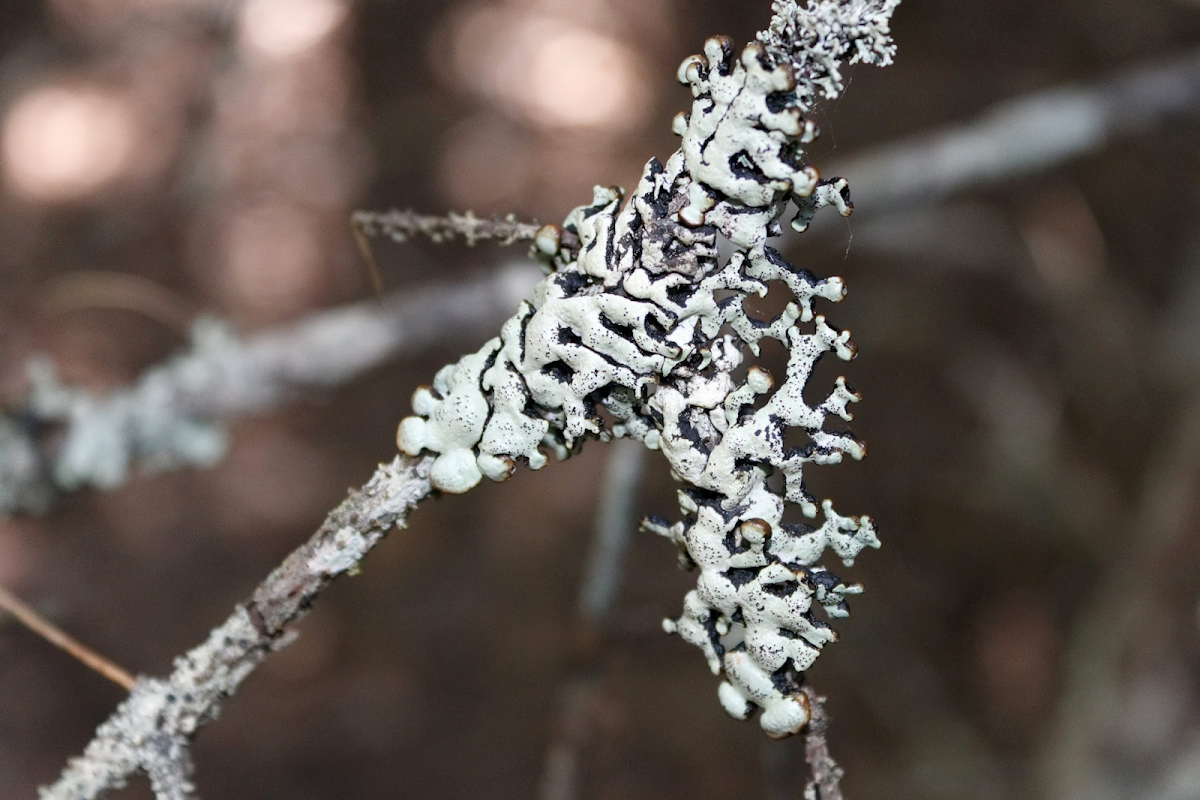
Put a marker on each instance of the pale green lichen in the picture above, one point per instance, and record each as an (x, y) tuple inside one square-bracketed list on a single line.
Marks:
[(641, 318)]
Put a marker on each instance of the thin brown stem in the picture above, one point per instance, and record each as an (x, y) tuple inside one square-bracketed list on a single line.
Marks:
[(368, 255), (57, 637), (91, 289)]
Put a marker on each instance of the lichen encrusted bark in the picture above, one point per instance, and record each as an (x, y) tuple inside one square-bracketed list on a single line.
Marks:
[(150, 732), (641, 318)]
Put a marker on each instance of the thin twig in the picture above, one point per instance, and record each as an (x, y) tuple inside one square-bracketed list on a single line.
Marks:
[(150, 731), (35, 622), (368, 255), (88, 289), (402, 225)]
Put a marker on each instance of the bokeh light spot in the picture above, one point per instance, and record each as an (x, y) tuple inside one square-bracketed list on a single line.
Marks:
[(547, 71), (64, 143), (582, 79), (286, 28), (273, 261)]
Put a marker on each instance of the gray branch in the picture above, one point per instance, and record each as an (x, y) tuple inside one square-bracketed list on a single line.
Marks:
[(826, 780), (1024, 136), (150, 732), (67, 438), (401, 226), (599, 592), (615, 523)]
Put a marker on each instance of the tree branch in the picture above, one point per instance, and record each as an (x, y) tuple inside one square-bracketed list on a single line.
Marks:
[(1024, 136), (1014, 139), (825, 783), (599, 592), (66, 438), (149, 732), (401, 226)]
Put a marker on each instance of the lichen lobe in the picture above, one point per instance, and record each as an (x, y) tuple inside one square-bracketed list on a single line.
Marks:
[(639, 329)]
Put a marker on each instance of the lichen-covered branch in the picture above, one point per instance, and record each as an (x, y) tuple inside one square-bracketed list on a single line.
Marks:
[(66, 438), (642, 319), (402, 225), (150, 732), (826, 779)]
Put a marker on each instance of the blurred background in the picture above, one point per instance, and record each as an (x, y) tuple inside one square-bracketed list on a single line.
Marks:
[(1030, 360)]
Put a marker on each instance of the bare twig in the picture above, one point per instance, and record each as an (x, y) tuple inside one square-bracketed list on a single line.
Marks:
[(28, 617), (149, 732), (560, 766), (65, 438), (85, 289), (401, 226), (368, 256)]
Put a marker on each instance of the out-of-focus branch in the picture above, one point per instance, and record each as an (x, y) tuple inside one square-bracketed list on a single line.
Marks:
[(598, 595), (1074, 758), (166, 419), (150, 732), (1021, 137), (615, 523), (67, 438)]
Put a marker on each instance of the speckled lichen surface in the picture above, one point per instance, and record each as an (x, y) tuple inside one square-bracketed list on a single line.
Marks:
[(639, 330)]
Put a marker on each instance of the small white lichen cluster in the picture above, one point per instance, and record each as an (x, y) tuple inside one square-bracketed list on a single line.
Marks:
[(639, 317), (816, 37)]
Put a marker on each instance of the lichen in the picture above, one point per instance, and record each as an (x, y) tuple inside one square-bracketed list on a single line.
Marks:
[(640, 320), (143, 425)]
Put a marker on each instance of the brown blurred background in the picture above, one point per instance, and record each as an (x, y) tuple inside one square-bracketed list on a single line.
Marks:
[(1029, 357)]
